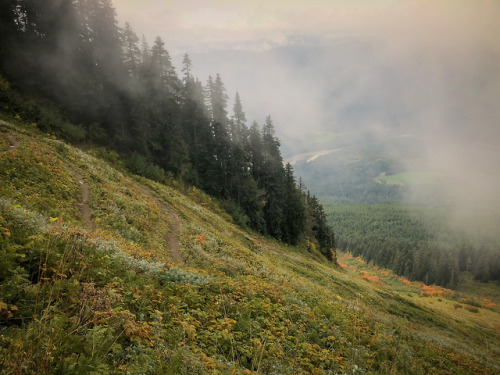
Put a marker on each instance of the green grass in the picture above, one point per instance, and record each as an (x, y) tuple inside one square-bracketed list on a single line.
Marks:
[(407, 178), (112, 300)]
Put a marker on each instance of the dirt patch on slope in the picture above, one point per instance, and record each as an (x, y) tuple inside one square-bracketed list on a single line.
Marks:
[(14, 142)]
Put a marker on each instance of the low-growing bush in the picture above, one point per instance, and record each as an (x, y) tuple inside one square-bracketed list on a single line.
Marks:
[(178, 275), (139, 165), (472, 309)]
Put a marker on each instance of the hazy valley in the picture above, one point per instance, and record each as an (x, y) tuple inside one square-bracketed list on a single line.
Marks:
[(340, 216)]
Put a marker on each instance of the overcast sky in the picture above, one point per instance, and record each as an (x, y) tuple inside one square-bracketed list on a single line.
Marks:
[(201, 25), (347, 61), (428, 63), (427, 67)]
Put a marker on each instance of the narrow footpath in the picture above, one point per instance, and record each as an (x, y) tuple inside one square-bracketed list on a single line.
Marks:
[(173, 238), (83, 204)]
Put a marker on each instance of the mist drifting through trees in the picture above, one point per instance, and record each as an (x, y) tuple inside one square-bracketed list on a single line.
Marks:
[(125, 94)]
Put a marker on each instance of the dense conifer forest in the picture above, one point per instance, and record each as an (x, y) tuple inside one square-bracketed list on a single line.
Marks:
[(365, 193), (78, 75), (414, 243)]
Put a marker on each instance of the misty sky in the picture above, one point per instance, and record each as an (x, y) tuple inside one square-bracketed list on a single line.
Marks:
[(195, 25), (337, 62), (429, 68), (200, 26)]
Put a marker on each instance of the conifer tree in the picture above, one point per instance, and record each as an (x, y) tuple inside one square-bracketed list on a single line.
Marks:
[(197, 132), (272, 180), (239, 160), (131, 51), (238, 124), (187, 65), (256, 151), (9, 31), (145, 51), (217, 99), (162, 69), (294, 209)]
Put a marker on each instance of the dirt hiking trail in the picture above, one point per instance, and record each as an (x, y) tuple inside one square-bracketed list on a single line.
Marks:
[(83, 204), (172, 239)]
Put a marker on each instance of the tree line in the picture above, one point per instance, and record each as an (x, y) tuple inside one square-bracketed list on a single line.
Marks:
[(105, 85)]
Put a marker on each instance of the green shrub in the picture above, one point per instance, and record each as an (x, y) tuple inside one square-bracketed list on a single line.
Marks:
[(139, 165), (42, 113), (470, 302), (178, 275), (472, 309), (236, 212)]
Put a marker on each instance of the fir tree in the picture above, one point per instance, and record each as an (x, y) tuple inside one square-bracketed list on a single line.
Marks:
[(131, 51)]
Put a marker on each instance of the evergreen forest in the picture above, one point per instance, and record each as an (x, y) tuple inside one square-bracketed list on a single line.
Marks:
[(76, 74), (366, 190)]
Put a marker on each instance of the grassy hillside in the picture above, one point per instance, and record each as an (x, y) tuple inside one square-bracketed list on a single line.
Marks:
[(107, 273)]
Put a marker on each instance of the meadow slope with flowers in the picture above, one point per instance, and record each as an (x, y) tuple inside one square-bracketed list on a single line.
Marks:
[(104, 272)]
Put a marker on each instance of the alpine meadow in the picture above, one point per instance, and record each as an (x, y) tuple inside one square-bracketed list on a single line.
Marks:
[(329, 216)]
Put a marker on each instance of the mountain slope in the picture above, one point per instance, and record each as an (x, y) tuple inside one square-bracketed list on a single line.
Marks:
[(105, 272)]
